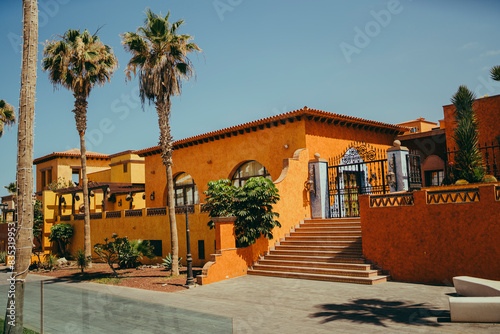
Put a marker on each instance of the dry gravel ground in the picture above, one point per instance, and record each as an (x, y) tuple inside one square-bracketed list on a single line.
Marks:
[(156, 279)]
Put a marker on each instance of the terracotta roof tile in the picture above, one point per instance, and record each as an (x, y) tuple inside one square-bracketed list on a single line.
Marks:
[(69, 153), (307, 112)]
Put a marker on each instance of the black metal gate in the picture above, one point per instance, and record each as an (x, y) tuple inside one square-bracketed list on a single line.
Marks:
[(354, 176), (414, 171)]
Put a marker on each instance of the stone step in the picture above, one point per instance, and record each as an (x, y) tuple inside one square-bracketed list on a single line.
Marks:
[(294, 237), (315, 270), (291, 263), (303, 228), (331, 224), (320, 277), (317, 253), (326, 259), (322, 248), (327, 233), (333, 220), (299, 242)]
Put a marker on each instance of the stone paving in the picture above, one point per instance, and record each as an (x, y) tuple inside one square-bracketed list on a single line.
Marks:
[(249, 304)]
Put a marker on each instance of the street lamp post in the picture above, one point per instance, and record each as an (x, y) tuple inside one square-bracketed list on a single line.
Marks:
[(189, 259)]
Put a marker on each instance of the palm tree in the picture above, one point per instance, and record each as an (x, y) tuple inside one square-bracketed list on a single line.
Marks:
[(7, 115), (468, 159), (159, 55), (495, 73), (23, 242), (80, 61), (11, 188)]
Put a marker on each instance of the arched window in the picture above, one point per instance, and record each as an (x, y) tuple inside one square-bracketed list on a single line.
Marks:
[(247, 170), (186, 192)]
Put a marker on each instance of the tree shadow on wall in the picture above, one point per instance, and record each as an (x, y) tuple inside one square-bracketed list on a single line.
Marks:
[(378, 312)]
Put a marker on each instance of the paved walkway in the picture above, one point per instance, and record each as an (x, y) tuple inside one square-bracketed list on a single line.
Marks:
[(249, 304)]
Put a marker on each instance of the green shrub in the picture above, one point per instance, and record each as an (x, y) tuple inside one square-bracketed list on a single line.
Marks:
[(51, 262), (81, 260), (61, 234), (167, 262), (3, 257), (461, 182), (252, 205), (124, 252)]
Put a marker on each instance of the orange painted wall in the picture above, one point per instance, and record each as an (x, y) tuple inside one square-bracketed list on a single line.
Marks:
[(488, 115), (330, 140), (293, 207), (432, 243), (265, 146)]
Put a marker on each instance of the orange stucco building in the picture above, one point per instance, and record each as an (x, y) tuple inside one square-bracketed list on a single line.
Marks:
[(129, 188)]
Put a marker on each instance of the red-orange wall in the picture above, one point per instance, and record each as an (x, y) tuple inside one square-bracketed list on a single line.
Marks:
[(488, 116), (432, 243)]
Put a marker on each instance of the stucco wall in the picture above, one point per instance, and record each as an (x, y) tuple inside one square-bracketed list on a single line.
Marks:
[(488, 114), (219, 159), (150, 228), (432, 243)]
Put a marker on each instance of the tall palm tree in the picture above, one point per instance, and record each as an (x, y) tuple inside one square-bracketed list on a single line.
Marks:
[(159, 58), (468, 159), (7, 115), (495, 73), (79, 61), (24, 176)]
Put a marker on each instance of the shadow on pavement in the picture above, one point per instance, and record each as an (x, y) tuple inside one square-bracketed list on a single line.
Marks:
[(380, 312)]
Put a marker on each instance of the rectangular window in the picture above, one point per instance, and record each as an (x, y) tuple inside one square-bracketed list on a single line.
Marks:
[(201, 249), (434, 178), (157, 250), (49, 176), (75, 176), (125, 168), (44, 180)]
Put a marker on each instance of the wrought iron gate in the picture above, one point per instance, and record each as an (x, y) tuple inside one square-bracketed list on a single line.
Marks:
[(356, 173), (414, 171)]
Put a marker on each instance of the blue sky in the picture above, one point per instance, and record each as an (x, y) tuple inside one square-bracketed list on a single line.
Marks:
[(388, 61)]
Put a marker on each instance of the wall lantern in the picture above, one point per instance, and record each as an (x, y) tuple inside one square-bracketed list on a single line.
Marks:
[(91, 194), (62, 200), (77, 197), (129, 197), (144, 196), (152, 196), (120, 202)]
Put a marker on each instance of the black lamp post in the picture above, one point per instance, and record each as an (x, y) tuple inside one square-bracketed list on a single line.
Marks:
[(189, 259)]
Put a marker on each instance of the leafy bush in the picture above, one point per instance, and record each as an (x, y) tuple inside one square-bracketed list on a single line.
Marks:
[(51, 262), (124, 252), (60, 183), (82, 260), (61, 234), (167, 262), (252, 205), (3, 257)]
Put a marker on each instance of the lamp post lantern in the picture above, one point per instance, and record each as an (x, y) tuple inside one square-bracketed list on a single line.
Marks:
[(189, 259)]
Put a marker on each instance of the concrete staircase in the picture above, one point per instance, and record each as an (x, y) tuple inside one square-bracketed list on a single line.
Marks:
[(321, 249)]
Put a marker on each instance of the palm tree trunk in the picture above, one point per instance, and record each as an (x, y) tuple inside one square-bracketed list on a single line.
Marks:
[(163, 110), (24, 234), (81, 125)]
